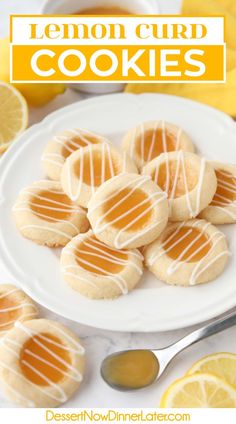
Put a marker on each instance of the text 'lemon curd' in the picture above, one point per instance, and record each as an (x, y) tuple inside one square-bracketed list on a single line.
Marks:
[(108, 30)]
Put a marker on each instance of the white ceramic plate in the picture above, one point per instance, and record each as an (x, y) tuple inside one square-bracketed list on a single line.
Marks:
[(153, 306)]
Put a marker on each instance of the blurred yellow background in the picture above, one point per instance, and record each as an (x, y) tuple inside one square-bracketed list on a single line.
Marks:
[(221, 96)]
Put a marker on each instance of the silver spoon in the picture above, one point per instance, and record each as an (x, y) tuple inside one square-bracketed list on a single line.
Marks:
[(136, 369)]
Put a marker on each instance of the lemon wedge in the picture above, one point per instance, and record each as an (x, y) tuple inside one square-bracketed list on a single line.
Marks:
[(13, 115), (199, 391), (222, 365)]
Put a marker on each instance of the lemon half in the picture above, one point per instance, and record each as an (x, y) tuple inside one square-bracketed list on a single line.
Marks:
[(13, 114)]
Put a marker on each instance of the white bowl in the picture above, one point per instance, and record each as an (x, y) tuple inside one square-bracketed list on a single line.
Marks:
[(147, 7)]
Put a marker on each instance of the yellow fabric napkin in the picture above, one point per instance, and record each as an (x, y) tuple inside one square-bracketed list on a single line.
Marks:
[(231, 58), (221, 96), (214, 7), (230, 5)]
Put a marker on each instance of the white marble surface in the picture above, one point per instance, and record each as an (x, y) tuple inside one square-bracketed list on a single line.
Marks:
[(98, 343)]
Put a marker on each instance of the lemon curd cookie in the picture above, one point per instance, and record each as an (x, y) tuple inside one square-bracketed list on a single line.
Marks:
[(189, 181), (41, 364), (128, 211), (63, 145), (15, 306), (149, 139), (85, 170), (222, 209), (189, 253), (46, 215), (98, 271)]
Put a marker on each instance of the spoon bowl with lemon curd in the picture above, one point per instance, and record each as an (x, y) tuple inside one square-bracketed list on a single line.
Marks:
[(136, 369)]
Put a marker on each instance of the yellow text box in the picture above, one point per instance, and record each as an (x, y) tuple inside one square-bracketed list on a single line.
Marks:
[(130, 63)]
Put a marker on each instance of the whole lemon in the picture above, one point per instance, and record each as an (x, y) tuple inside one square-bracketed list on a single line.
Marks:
[(35, 94)]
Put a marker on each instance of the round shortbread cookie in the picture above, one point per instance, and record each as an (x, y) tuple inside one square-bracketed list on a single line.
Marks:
[(188, 180), (186, 254), (150, 139), (128, 211), (98, 271), (62, 145), (222, 209), (44, 214), (15, 306), (85, 170), (41, 364)]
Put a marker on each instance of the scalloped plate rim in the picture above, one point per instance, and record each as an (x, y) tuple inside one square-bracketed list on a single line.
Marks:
[(227, 124)]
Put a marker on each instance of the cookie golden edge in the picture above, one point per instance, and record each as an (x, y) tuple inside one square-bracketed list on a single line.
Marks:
[(42, 231), (160, 264), (225, 214), (53, 158), (17, 388), (73, 184), (120, 239), (28, 309), (129, 145), (95, 286), (190, 204)]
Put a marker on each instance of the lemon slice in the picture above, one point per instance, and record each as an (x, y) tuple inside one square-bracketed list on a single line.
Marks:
[(13, 114), (199, 391), (222, 365)]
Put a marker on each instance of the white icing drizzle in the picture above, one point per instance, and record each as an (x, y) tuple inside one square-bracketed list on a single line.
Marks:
[(71, 373), (84, 138), (180, 165), (133, 143), (124, 162), (140, 129), (54, 159), (66, 272), (227, 211), (121, 245), (111, 166), (213, 260), (117, 279), (9, 292), (97, 251), (91, 170), (153, 141), (178, 139), (153, 199), (106, 159), (201, 265), (140, 180), (46, 228), (221, 202), (19, 305), (200, 184), (55, 206), (163, 135)]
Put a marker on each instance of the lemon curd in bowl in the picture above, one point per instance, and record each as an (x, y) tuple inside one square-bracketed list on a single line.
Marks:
[(103, 10)]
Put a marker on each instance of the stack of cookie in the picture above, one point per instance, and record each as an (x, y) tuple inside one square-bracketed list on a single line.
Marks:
[(41, 361), (152, 203)]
